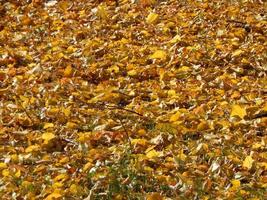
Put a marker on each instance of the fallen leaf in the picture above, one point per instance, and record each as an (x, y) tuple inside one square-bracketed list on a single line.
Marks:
[(74, 189), (67, 111), (132, 72), (153, 154), (47, 137), (114, 69), (60, 177), (18, 174), (142, 142), (235, 185), (183, 69), (5, 172), (55, 195), (102, 12), (71, 125), (48, 125), (68, 71), (239, 111), (203, 125), (248, 162), (171, 93), (175, 39), (3, 165), (151, 18), (159, 54), (237, 53), (175, 117), (32, 148)]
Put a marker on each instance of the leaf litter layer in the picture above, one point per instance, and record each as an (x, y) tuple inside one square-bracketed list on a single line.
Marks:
[(140, 100)]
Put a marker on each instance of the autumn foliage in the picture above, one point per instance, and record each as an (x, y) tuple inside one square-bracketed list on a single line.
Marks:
[(145, 99)]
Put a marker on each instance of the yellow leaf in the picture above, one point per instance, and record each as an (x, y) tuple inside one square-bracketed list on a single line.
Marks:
[(238, 111), (71, 125), (183, 69), (145, 33), (74, 189), (25, 184), (244, 61), (203, 125), (235, 184), (142, 142), (52, 111), (48, 125), (237, 53), (61, 55), (82, 137), (240, 33), (64, 160), (248, 162), (151, 18), (176, 38), (39, 168), (153, 154), (23, 98), (14, 158), (60, 177), (53, 196), (68, 71), (57, 185), (159, 54), (5, 172), (82, 13), (148, 169), (71, 49), (87, 166), (124, 41), (257, 145), (175, 117), (171, 93), (25, 101), (102, 12), (114, 69), (48, 136), (132, 72), (18, 174), (66, 111), (32, 148), (3, 165)]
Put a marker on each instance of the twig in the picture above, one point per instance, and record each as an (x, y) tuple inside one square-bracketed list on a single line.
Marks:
[(102, 104), (69, 141), (125, 109), (260, 115), (235, 21), (117, 91)]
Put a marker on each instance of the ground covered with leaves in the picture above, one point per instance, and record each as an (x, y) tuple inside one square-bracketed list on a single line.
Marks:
[(141, 100)]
